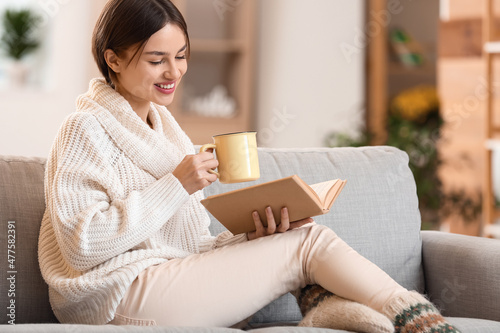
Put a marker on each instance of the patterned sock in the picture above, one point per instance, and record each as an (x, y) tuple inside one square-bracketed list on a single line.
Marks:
[(321, 308), (413, 313)]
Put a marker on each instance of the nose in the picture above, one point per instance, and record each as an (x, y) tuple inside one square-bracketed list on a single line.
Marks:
[(172, 72)]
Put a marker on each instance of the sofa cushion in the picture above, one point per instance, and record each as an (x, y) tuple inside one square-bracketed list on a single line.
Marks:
[(376, 213), (469, 325), (21, 206)]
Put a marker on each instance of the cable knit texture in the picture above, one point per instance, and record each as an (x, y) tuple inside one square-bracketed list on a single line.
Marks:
[(113, 207)]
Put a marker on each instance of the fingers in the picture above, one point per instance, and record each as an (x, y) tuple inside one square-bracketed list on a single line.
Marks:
[(271, 223), (207, 162), (211, 178), (210, 164), (205, 156), (193, 173), (285, 225), (201, 167), (259, 227), (285, 221), (260, 230), (204, 161)]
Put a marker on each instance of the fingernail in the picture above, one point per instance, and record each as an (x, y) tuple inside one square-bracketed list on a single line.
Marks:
[(255, 213)]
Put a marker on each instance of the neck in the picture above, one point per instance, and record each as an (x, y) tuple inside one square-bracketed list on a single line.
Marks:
[(142, 112), (141, 107)]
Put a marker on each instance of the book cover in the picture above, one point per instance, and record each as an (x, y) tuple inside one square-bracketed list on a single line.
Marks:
[(234, 209)]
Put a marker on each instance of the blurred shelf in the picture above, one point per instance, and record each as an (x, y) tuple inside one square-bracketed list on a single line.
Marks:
[(492, 230), (192, 117), (222, 49), (386, 77), (217, 45), (395, 68), (493, 144), (200, 129), (492, 47)]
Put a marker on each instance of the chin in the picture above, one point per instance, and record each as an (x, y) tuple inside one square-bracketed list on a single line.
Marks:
[(164, 101)]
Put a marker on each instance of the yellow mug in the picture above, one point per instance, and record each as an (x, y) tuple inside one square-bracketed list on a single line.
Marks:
[(237, 156)]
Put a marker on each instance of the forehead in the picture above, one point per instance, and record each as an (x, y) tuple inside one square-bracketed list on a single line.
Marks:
[(169, 38)]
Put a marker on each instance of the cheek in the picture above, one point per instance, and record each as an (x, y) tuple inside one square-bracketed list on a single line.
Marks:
[(183, 68), (142, 82), (147, 76), (151, 72)]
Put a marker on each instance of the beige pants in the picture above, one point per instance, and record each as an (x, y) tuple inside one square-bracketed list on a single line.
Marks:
[(224, 286)]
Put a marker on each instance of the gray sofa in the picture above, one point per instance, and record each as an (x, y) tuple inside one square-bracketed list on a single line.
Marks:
[(376, 214)]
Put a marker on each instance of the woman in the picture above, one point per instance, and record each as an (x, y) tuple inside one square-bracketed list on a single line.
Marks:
[(125, 240)]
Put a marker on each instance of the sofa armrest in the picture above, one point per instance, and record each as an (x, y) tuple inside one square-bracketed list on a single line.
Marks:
[(462, 274)]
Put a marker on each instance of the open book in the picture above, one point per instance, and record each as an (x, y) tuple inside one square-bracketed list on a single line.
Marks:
[(234, 209)]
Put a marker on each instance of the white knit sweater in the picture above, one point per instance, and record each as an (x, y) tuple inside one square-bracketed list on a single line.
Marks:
[(113, 207)]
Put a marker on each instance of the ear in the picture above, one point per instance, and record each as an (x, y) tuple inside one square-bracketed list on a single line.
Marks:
[(114, 62)]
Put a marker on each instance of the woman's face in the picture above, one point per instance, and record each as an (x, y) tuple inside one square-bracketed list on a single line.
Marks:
[(155, 73)]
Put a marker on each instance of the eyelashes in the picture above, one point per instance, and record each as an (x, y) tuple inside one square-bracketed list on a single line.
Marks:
[(156, 63)]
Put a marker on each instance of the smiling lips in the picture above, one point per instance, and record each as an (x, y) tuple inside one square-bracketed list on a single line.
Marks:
[(165, 88)]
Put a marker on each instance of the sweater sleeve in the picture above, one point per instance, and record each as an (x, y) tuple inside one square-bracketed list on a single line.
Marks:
[(225, 238), (91, 223)]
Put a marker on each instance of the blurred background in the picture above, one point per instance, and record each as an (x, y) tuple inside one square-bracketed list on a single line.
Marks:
[(418, 75)]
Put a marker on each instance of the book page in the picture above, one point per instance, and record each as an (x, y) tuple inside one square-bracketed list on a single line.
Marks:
[(322, 189)]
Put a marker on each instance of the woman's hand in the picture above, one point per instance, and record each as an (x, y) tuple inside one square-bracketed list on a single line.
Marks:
[(193, 173), (285, 225)]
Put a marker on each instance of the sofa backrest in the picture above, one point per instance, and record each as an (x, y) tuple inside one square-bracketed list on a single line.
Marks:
[(21, 207), (376, 213)]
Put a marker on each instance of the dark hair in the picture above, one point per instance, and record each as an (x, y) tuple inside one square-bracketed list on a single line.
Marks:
[(125, 23)]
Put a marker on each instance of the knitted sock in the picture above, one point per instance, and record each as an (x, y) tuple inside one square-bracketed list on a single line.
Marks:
[(321, 308), (413, 313)]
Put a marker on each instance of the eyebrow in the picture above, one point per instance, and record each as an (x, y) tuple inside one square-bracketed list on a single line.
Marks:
[(160, 53)]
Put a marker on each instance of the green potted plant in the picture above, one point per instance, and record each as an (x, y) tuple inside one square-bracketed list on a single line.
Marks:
[(414, 126), (18, 40)]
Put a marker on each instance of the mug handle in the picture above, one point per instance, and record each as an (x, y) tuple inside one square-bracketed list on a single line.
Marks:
[(203, 149)]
